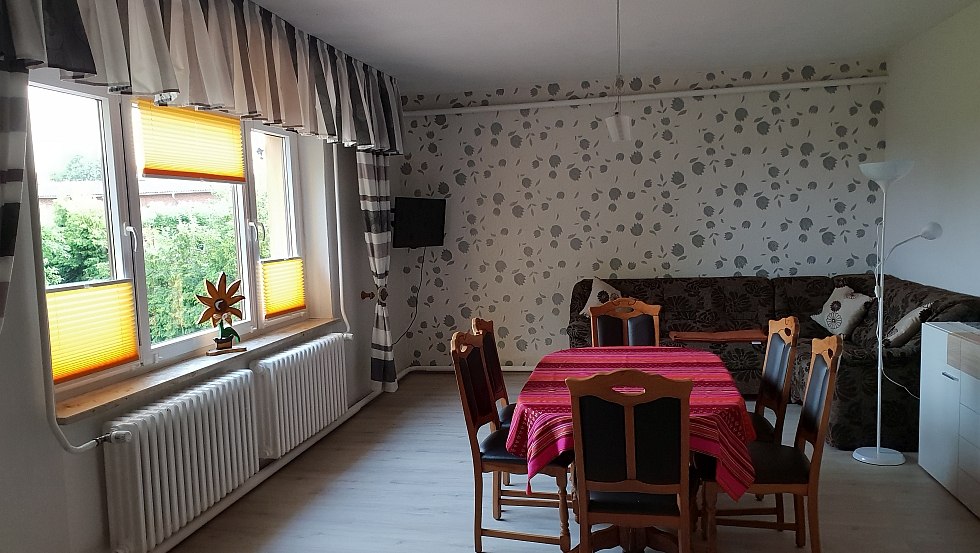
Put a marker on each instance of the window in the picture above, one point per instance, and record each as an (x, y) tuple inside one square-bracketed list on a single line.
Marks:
[(139, 205), (90, 295), (192, 208), (72, 186), (280, 261)]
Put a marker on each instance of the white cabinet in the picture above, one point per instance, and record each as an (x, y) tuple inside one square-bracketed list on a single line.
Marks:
[(939, 409), (949, 411), (968, 476)]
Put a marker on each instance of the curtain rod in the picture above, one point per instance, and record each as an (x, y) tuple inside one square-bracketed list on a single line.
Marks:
[(858, 81)]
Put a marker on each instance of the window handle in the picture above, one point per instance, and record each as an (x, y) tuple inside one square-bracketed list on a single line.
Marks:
[(256, 228), (133, 238)]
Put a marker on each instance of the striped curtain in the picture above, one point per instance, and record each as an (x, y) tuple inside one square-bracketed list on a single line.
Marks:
[(31, 33), (375, 190), (13, 150)]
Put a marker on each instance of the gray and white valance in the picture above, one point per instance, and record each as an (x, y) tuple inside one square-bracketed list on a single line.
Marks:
[(228, 55)]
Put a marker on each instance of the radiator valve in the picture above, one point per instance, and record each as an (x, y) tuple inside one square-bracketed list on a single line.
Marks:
[(115, 437)]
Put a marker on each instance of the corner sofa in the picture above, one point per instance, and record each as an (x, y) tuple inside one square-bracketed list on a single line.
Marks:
[(712, 304)]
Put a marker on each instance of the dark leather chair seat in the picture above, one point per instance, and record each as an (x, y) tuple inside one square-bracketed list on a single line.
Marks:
[(506, 414), (779, 464), (764, 431), (493, 449), (629, 502)]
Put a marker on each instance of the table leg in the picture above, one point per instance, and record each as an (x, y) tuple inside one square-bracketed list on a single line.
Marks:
[(710, 509)]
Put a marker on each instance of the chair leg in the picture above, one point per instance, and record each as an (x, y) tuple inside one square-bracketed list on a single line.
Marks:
[(478, 513), (780, 514), (564, 538), (584, 532), (710, 506), (798, 520), (684, 534), (703, 511), (813, 516), (496, 495), (505, 479)]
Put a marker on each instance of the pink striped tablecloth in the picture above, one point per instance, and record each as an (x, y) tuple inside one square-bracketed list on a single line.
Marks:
[(720, 425)]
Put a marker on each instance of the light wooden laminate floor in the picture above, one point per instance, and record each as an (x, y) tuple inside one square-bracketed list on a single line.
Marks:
[(397, 477)]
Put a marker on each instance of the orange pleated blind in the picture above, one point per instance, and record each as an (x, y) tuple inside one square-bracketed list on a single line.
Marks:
[(283, 289), (191, 144), (92, 329)]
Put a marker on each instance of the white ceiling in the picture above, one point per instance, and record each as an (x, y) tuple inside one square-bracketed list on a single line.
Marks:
[(455, 45)]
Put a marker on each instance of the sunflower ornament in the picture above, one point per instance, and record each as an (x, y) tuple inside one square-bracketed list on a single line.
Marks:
[(220, 307)]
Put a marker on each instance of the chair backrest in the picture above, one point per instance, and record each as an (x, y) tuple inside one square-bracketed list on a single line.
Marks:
[(819, 392), (625, 322), (497, 385), (479, 407), (777, 369), (631, 432)]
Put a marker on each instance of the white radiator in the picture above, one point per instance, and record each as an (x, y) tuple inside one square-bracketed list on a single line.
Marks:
[(187, 452), (299, 392)]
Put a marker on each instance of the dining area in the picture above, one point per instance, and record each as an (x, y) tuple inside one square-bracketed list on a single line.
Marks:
[(639, 439)]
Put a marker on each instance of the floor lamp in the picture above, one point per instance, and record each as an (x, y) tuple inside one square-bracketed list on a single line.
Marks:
[(886, 173)]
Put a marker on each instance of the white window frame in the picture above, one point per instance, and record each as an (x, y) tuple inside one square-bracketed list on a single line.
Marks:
[(181, 346), (294, 201), (117, 211)]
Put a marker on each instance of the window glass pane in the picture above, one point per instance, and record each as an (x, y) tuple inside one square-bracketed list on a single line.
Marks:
[(272, 196), (69, 157), (190, 233)]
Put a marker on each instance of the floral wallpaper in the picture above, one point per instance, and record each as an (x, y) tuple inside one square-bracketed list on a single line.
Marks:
[(761, 183)]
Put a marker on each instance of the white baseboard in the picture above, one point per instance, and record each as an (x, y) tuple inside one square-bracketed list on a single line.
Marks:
[(449, 368)]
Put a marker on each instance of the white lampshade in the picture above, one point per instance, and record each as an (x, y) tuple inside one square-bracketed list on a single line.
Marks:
[(932, 231), (620, 127), (887, 172)]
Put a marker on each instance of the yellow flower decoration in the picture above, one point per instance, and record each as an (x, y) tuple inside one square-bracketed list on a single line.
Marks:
[(220, 301)]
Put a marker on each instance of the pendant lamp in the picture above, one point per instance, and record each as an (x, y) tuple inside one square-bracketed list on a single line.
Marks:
[(619, 124)]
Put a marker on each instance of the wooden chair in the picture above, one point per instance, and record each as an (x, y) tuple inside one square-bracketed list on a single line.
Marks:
[(777, 372), (787, 469), (625, 322), (505, 409), (491, 456), (632, 454), (776, 376)]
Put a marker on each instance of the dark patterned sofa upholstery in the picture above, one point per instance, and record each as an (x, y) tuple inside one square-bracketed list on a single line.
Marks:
[(733, 303)]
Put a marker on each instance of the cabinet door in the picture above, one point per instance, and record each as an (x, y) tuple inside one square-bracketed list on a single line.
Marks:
[(938, 410)]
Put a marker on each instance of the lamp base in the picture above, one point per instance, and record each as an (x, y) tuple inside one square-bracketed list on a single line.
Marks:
[(881, 457)]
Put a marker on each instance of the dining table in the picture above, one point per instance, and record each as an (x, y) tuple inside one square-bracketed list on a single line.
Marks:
[(720, 425)]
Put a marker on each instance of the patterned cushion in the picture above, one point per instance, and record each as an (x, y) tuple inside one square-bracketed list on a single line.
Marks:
[(906, 328), (843, 310), (600, 294)]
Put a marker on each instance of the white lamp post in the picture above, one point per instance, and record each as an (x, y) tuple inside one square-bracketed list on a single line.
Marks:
[(886, 173)]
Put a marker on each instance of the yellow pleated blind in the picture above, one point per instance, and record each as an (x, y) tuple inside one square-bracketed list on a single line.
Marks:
[(92, 329), (192, 144), (283, 289)]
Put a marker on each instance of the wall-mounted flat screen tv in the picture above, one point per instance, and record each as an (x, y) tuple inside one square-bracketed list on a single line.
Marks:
[(419, 222)]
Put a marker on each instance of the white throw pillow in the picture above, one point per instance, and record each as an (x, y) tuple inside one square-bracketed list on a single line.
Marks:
[(602, 292), (843, 311), (903, 331)]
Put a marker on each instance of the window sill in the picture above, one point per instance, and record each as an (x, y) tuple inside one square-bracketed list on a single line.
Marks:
[(154, 384)]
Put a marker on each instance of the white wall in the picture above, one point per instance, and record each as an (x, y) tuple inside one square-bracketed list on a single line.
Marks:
[(933, 98), (33, 505), (53, 502)]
